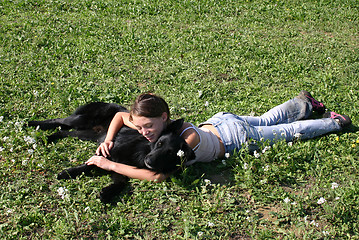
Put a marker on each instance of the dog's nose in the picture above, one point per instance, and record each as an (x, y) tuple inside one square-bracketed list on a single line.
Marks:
[(147, 162)]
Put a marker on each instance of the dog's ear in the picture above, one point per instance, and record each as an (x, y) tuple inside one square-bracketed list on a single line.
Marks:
[(175, 125), (188, 152)]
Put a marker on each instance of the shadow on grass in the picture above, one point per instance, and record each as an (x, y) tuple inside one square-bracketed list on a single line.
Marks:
[(192, 176)]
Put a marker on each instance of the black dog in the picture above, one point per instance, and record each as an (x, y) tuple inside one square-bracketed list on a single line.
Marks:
[(91, 121)]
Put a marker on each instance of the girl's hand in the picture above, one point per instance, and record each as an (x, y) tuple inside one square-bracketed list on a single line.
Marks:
[(104, 148), (101, 162), (127, 170)]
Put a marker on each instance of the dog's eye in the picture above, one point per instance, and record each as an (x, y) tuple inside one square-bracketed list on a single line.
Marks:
[(159, 144)]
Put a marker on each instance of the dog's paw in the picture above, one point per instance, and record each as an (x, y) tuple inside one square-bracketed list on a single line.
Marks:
[(53, 138), (33, 124), (108, 193)]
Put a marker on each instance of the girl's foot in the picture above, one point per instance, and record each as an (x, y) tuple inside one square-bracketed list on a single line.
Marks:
[(342, 120), (317, 106)]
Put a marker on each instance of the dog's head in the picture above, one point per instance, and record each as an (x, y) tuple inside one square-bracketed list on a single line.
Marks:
[(170, 150)]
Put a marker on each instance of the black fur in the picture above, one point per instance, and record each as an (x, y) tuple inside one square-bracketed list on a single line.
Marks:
[(91, 121)]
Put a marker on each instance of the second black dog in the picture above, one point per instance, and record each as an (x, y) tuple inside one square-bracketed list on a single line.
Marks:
[(91, 121)]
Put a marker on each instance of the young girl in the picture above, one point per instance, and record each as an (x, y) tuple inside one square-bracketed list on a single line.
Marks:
[(222, 133)]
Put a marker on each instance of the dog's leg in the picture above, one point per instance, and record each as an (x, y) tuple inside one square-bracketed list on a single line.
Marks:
[(119, 183), (49, 124), (87, 135), (75, 171), (72, 121)]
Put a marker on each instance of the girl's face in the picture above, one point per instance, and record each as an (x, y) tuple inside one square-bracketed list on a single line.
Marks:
[(150, 128)]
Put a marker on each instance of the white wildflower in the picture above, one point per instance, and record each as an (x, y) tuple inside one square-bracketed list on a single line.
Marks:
[(37, 128), (286, 200), (314, 223), (266, 148), (265, 168), (5, 139), (87, 208), (335, 185), (264, 181), (294, 203), (325, 233), (200, 234), (200, 93), (210, 224), (245, 166), (256, 154), (29, 140), (290, 144), (1, 118), (180, 153), (34, 146), (249, 219), (321, 200), (227, 155), (2, 149), (62, 191), (306, 219), (24, 162), (30, 151), (337, 198), (183, 108), (36, 93), (207, 181), (206, 104)]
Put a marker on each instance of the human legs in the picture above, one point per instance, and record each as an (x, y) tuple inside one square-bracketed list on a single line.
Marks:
[(283, 122), (304, 129), (298, 108), (289, 129), (290, 111)]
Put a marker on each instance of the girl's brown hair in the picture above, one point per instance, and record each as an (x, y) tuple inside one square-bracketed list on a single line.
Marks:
[(149, 105)]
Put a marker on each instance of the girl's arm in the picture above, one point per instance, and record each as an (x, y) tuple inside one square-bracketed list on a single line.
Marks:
[(190, 136), (127, 170), (120, 119)]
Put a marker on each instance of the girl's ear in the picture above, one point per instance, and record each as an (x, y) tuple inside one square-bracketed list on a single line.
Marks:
[(164, 116)]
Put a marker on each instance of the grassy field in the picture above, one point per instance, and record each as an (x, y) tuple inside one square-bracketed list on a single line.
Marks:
[(202, 57)]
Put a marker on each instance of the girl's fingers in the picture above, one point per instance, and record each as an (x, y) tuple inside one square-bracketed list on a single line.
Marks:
[(98, 150), (92, 161), (104, 149), (108, 148)]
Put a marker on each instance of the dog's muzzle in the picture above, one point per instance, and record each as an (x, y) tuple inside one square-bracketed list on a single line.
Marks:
[(147, 163)]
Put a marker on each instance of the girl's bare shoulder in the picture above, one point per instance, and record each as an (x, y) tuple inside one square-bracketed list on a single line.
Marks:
[(189, 134)]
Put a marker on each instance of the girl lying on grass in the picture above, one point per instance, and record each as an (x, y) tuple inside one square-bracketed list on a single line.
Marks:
[(223, 133)]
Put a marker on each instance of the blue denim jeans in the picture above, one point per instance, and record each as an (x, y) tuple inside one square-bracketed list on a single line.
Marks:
[(283, 122)]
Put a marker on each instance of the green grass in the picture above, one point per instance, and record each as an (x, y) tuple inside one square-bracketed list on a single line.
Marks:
[(238, 56)]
